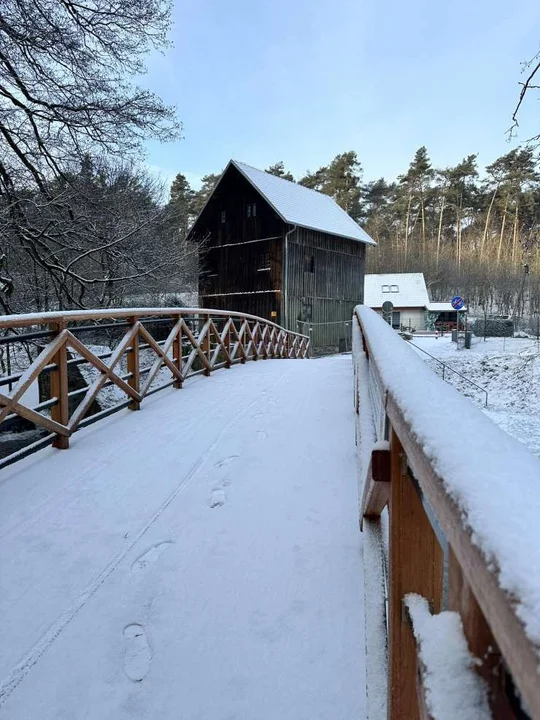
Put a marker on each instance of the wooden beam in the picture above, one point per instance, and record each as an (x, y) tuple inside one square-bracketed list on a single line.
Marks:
[(197, 350), (107, 373), (177, 355), (133, 366), (33, 416), (98, 363), (162, 356), (59, 388), (415, 566), (377, 484), (480, 639), (518, 651), (205, 343), (32, 372)]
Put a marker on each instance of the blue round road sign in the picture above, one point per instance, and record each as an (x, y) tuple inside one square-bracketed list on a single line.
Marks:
[(457, 302)]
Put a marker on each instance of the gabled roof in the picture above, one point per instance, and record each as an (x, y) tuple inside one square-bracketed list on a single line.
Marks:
[(402, 289), (442, 307), (301, 206)]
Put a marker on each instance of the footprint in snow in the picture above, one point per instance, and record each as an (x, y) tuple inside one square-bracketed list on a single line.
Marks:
[(150, 556), (217, 498), (225, 461), (138, 655), (262, 434)]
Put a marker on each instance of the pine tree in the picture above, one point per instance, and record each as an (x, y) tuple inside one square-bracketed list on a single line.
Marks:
[(181, 204), (341, 179), (279, 171), (201, 196)]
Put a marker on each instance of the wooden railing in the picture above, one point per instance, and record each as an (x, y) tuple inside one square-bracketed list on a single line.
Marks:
[(428, 536), (151, 349)]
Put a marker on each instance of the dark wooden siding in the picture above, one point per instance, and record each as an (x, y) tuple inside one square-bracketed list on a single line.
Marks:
[(325, 280), (241, 264)]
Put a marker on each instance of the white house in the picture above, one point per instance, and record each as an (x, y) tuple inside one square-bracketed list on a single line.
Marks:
[(408, 294)]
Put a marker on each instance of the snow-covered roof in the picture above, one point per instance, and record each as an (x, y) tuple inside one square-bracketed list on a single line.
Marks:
[(441, 307), (402, 289), (298, 205)]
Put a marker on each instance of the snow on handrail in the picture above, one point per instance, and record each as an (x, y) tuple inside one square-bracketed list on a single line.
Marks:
[(482, 486)]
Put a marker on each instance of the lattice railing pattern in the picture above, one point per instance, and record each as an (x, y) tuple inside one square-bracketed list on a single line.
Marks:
[(197, 341)]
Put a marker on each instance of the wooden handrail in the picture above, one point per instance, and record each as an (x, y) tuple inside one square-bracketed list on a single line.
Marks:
[(211, 338), (434, 550)]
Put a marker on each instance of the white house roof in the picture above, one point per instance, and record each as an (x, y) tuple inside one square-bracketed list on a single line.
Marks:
[(402, 289), (301, 206), (441, 307)]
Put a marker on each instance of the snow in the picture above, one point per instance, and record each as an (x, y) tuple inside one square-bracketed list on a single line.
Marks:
[(140, 312), (302, 206), (508, 368), (453, 689), (375, 552), (127, 591), (492, 478)]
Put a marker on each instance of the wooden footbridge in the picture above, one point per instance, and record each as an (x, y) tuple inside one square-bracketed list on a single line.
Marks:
[(199, 559)]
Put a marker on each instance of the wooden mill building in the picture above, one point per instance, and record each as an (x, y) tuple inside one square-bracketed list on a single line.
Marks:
[(281, 251)]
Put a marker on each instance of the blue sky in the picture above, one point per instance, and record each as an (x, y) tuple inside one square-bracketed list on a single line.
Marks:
[(300, 81)]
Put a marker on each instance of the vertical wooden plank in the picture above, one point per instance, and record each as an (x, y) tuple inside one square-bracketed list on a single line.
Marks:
[(59, 388), (207, 345), (133, 358), (255, 341), (227, 343), (177, 355), (415, 565), (480, 639)]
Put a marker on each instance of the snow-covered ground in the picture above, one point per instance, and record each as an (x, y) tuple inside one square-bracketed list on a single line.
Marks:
[(508, 368), (197, 560)]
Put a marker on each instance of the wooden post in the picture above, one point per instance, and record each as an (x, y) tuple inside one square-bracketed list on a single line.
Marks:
[(227, 344), (480, 639), (255, 341), (207, 346), (59, 389), (133, 357), (177, 355), (415, 565)]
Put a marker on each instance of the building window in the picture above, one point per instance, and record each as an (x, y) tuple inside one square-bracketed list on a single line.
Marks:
[(223, 216), (396, 319), (386, 288), (254, 210), (249, 211), (394, 288), (309, 263), (264, 262)]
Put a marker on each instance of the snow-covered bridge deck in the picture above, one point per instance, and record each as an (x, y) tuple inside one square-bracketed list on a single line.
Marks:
[(199, 559)]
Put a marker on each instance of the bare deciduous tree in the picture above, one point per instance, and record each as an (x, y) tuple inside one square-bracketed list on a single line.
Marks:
[(66, 95)]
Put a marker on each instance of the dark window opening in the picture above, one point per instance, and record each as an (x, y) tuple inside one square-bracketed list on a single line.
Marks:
[(309, 263), (396, 320), (254, 210), (249, 211), (223, 216), (264, 261)]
